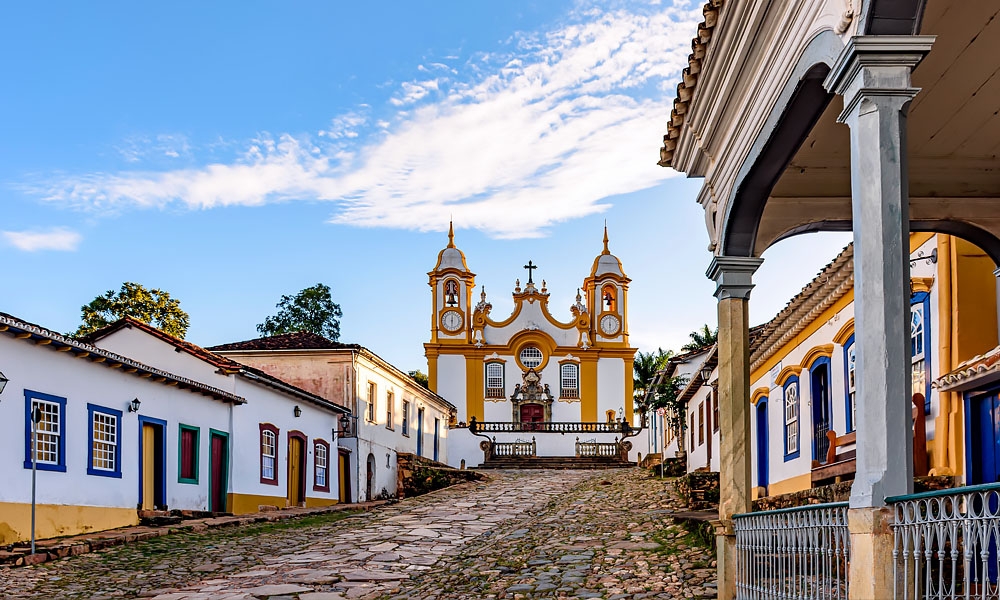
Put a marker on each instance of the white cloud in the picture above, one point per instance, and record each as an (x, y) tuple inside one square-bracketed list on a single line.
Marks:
[(56, 238), (546, 133)]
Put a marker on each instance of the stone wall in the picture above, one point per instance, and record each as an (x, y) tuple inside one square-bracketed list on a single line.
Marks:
[(416, 475), (699, 490)]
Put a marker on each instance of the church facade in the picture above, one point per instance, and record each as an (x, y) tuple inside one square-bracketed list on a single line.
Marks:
[(530, 366)]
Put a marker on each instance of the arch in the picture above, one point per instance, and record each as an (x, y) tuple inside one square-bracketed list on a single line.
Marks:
[(758, 394), (535, 338), (370, 479), (844, 333), (821, 402), (786, 374), (816, 353)]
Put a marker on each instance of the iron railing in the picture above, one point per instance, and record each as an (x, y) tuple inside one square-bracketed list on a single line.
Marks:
[(946, 543), (547, 427), (515, 448), (802, 552), (595, 448)]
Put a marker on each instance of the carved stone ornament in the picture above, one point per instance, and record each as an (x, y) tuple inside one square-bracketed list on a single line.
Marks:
[(531, 391)]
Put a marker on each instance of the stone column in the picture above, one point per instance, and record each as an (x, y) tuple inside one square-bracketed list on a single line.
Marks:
[(733, 276), (873, 76)]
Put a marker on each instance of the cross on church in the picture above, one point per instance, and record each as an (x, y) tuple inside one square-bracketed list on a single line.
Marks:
[(530, 267)]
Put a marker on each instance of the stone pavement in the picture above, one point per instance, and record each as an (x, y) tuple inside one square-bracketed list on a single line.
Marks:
[(531, 534)]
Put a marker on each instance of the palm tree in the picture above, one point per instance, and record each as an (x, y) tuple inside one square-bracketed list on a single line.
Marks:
[(701, 338), (645, 367)]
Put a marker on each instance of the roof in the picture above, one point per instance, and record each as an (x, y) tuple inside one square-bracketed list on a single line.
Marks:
[(973, 373), (29, 332), (228, 366), (689, 79)]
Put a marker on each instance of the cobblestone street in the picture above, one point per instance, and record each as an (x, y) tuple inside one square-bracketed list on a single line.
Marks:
[(533, 534)]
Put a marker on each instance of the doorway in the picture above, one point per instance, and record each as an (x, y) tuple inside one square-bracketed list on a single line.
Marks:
[(218, 466), (822, 413), (762, 457), (370, 479), (984, 466), (530, 414), (345, 476), (296, 468), (420, 432), (152, 466)]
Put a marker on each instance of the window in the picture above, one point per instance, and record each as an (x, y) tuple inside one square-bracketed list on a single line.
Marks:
[(50, 451), (187, 470), (791, 392), (701, 423), (406, 417), (371, 402), (569, 380), (850, 366), (715, 408), (268, 454), (321, 466), (920, 346), (691, 429), (494, 380), (104, 442), (530, 357), (390, 401)]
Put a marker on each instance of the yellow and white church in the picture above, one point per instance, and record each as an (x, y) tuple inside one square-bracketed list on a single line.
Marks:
[(530, 367)]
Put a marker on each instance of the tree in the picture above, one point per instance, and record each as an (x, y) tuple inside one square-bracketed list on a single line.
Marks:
[(154, 307), (701, 338), (420, 378), (666, 395), (312, 310), (644, 369)]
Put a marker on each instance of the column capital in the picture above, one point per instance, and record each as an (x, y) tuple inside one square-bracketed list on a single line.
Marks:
[(733, 275)]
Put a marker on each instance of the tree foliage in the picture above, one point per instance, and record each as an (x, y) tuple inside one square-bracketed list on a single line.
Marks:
[(666, 395), (644, 369), (700, 338), (312, 310), (153, 306), (420, 378)]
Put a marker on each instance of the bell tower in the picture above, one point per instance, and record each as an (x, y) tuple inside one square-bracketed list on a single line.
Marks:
[(451, 284), (607, 298)]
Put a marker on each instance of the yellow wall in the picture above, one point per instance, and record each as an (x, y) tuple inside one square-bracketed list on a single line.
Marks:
[(240, 504), (792, 484), (588, 390), (317, 502), (975, 294), (55, 520)]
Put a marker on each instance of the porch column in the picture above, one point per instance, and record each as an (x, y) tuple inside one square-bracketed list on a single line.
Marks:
[(873, 76), (733, 276)]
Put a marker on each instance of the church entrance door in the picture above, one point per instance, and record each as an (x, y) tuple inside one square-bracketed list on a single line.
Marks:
[(532, 413)]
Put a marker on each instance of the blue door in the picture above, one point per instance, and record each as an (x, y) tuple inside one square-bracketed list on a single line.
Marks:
[(762, 443), (985, 432), (822, 413), (420, 432)]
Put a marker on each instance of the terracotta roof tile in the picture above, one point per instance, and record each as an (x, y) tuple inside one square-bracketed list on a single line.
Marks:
[(299, 340), (214, 359)]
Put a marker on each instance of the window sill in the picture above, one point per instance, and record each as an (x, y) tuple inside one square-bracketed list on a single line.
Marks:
[(405, 434), (269, 481), (101, 473), (45, 467), (187, 481)]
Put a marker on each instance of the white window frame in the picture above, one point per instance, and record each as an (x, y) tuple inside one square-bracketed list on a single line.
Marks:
[(48, 432), (495, 382), (791, 396), (531, 357), (569, 380), (322, 462), (372, 395), (406, 417)]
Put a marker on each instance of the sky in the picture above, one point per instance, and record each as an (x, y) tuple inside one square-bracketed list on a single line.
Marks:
[(229, 153)]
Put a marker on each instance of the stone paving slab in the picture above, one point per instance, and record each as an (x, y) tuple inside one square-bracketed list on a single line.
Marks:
[(531, 534)]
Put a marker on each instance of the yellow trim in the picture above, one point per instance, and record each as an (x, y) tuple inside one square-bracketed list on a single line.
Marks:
[(919, 239), (241, 504), (757, 394), (460, 328), (55, 520), (803, 335), (616, 332), (519, 300), (432, 372), (629, 389), (845, 332), (519, 341), (817, 352), (792, 484), (588, 389), (318, 502), (921, 284), (786, 373), (475, 392)]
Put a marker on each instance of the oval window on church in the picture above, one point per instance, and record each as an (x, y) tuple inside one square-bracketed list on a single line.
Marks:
[(530, 357)]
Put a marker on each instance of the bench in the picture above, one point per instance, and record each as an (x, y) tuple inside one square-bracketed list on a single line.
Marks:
[(839, 462)]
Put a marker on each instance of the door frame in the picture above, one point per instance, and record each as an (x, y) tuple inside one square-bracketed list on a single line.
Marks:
[(370, 471), (159, 459), (972, 449), (420, 431), (211, 469), (817, 404), (763, 458), (301, 437), (344, 472)]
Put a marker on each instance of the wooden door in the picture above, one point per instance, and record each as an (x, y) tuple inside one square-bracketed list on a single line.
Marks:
[(822, 413), (420, 432), (148, 466), (219, 466), (345, 477), (370, 486), (532, 413), (985, 464), (296, 484)]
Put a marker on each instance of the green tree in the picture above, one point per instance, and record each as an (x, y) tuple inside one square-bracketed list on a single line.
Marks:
[(644, 369), (666, 395), (154, 307), (420, 378), (700, 338), (312, 310)]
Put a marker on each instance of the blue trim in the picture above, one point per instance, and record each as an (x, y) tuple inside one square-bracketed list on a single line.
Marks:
[(161, 500), (117, 414), (967, 397), (29, 396), (792, 380), (822, 362), (763, 475), (847, 383), (925, 299)]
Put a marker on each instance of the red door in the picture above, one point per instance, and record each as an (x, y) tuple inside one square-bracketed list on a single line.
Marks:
[(532, 413), (219, 467)]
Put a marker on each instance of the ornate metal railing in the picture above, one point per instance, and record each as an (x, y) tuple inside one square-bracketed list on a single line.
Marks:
[(548, 427), (946, 543), (595, 448), (800, 552), (516, 448)]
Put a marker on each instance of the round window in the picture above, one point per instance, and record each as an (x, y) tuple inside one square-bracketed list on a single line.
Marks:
[(530, 357)]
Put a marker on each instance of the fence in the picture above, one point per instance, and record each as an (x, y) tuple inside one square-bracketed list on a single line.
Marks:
[(595, 448), (547, 427), (516, 448)]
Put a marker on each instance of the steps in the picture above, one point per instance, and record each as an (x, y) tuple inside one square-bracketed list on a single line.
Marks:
[(555, 462)]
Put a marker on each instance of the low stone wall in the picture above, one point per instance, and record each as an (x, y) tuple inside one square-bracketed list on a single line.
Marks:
[(699, 490), (416, 475), (841, 492)]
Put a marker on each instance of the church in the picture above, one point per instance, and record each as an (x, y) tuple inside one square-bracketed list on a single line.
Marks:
[(531, 371)]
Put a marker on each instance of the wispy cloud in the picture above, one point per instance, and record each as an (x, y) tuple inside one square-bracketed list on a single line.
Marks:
[(56, 238), (509, 144)]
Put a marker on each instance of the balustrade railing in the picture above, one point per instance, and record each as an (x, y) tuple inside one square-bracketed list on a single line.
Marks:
[(547, 427), (800, 552), (595, 448), (515, 448), (946, 543)]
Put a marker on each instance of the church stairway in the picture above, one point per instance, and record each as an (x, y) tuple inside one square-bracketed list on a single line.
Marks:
[(555, 462)]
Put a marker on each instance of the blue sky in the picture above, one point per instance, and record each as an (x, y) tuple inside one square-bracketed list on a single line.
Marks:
[(230, 153)]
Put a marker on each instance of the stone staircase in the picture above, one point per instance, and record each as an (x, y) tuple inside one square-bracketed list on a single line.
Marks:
[(555, 462)]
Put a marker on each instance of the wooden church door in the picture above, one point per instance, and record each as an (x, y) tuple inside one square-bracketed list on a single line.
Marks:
[(532, 413)]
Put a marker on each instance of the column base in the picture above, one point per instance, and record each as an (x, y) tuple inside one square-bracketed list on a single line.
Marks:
[(725, 556), (871, 573)]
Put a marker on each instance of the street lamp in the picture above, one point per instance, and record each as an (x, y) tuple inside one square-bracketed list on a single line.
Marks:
[(706, 372), (3, 382), (297, 411), (133, 406)]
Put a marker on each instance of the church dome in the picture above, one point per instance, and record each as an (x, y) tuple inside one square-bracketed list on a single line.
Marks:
[(451, 257), (607, 263)]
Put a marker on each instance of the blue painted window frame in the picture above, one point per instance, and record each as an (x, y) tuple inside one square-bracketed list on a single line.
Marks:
[(792, 380), (29, 396), (925, 299), (117, 414), (822, 362), (847, 383)]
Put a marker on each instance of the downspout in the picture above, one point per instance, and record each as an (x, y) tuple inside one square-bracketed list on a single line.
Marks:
[(943, 461)]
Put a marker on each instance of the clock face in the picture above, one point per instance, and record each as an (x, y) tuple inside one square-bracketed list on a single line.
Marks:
[(452, 320), (609, 325)]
